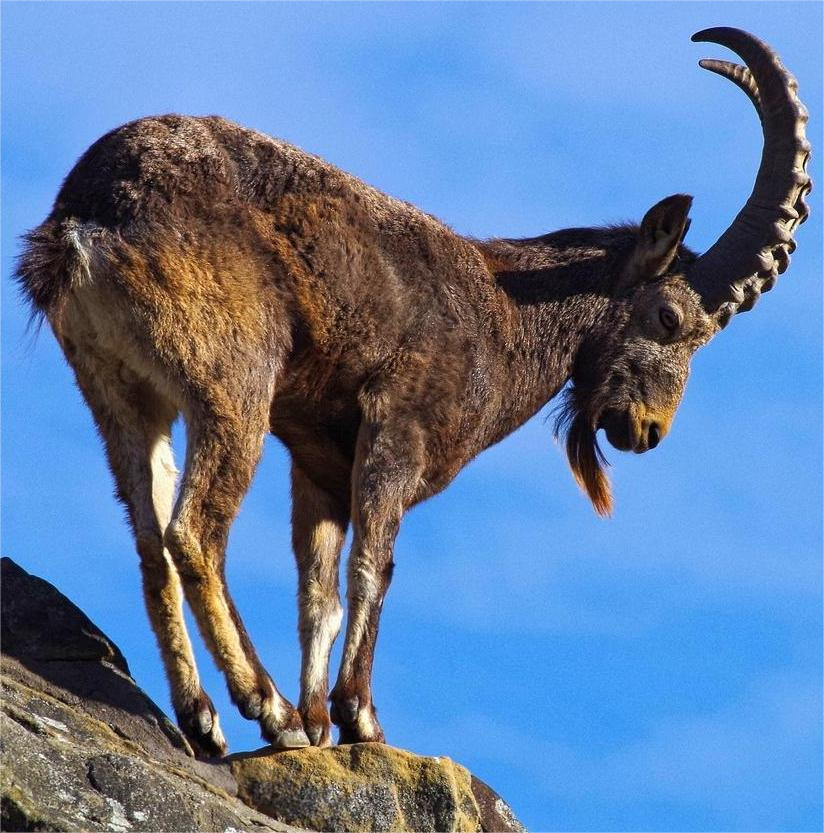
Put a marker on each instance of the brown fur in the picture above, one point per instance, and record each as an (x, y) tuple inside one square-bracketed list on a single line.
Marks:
[(192, 266)]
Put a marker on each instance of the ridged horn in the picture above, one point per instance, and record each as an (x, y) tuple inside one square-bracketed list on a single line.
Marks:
[(748, 257)]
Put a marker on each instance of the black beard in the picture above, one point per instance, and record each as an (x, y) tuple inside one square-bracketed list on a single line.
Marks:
[(585, 457)]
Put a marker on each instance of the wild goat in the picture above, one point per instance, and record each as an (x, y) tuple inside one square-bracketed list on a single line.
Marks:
[(192, 266)]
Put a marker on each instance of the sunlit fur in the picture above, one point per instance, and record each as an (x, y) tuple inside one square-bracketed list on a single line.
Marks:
[(190, 266)]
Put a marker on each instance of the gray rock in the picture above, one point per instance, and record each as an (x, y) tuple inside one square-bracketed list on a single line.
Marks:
[(82, 748), (496, 814)]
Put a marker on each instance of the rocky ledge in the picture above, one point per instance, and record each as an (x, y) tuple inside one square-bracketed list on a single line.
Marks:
[(83, 748)]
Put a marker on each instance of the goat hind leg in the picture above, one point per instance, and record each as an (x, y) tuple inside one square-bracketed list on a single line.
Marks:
[(135, 422), (222, 453)]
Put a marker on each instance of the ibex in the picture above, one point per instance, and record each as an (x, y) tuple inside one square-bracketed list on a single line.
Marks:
[(191, 266)]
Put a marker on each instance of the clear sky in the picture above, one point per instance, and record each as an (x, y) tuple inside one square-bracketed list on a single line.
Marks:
[(658, 671)]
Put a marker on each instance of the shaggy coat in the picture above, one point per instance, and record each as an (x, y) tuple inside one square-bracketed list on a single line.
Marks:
[(191, 266)]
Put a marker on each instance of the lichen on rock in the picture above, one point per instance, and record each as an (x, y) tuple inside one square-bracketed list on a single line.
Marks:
[(363, 787)]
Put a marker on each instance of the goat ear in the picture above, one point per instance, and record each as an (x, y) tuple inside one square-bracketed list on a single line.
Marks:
[(662, 230)]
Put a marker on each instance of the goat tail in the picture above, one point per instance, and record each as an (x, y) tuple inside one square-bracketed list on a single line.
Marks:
[(57, 258)]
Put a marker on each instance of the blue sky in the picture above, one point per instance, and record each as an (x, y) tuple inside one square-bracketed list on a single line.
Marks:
[(658, 671)]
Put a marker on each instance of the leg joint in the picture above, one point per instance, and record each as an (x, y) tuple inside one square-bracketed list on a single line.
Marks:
[(185, 551)]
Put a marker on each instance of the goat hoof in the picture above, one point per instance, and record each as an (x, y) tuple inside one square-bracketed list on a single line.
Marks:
[(285, 732), (290, 739), (357, 724), (358, 734), (209, 745), (315, 717), (319, 735), (201, 726)]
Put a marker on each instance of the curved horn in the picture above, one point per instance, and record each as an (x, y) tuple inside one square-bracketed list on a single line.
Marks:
[(748, 257)]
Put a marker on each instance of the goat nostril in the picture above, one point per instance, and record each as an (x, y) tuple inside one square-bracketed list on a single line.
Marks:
[(654, 435)]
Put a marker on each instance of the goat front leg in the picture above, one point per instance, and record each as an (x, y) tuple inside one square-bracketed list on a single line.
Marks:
[(385, 477), (319, 523)]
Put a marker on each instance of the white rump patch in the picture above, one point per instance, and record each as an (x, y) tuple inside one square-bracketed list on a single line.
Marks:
[(80, 237)]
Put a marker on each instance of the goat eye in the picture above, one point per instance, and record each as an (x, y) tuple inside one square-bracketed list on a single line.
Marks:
[(669, 318)]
